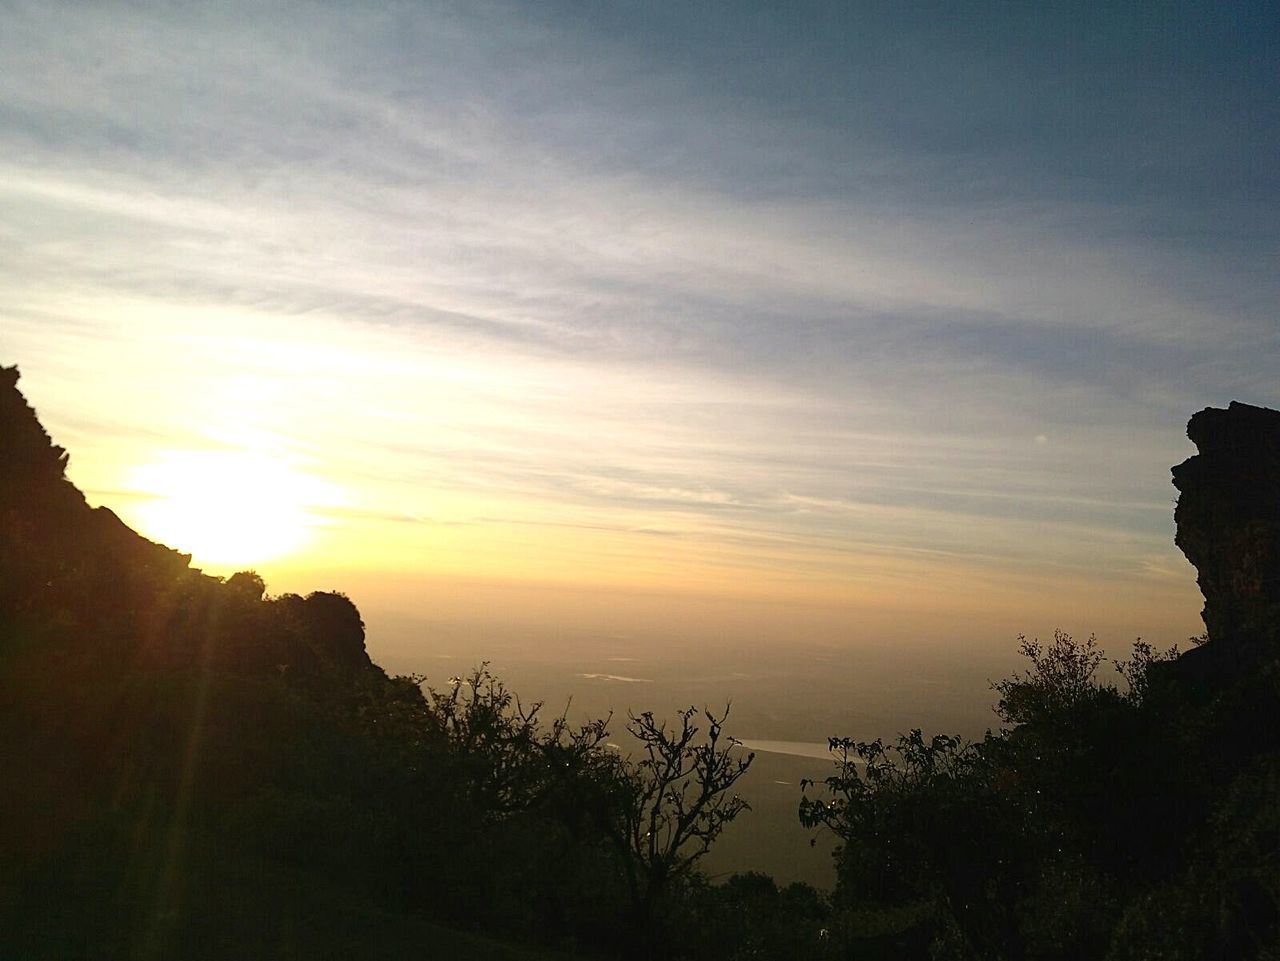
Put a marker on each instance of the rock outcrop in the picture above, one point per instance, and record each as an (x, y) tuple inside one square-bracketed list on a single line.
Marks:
[(83, 570), (54, 548), (1228, 520)]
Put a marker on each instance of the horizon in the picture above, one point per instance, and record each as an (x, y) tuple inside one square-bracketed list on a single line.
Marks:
[(872, 328)]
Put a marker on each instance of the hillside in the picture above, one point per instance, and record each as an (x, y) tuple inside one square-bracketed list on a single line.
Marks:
[(189, 769), (195, 768)]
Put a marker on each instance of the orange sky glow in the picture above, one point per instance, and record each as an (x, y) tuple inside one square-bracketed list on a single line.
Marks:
[(501, 313)]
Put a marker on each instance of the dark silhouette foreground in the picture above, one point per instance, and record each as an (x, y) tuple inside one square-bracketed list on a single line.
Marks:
[(1125, 818), (193, 768)]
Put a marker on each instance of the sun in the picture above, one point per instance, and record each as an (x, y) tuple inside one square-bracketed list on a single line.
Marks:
[(226, 507)]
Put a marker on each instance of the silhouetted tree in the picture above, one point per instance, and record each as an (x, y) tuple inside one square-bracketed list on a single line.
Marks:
[(335, 630), (249, 584), (675, 801), (1029, 843), (513, 761)]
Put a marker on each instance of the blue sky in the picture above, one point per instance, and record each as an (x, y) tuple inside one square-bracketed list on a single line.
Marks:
[(881, 296)]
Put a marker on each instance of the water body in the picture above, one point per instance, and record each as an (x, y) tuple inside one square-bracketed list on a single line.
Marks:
[(783, 702), (812, 749)]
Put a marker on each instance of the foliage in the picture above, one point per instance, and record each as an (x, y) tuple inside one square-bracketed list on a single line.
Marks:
[(1062, 675), (194, 768), (750, 916), (921, 828), (1108, 818), (675, 800), (502, 755), (1136, 669), (249, 583)]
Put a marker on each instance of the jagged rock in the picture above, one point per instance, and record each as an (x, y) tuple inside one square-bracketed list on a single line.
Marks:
[(1228, 520), (64, 562), (32, 468), (57, 554)]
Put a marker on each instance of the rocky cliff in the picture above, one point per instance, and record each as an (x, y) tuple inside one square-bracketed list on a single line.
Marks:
[(82, 571), (1228, 520)]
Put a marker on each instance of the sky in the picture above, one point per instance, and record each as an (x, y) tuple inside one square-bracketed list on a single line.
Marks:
[(847, 322)]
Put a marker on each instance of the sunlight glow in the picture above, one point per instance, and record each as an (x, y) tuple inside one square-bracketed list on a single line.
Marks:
[(228, 507)]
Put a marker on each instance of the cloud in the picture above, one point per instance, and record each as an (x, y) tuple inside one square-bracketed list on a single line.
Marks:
[(498, 266)]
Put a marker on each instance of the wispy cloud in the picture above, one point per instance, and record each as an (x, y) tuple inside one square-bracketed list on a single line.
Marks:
[(500, 264)]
